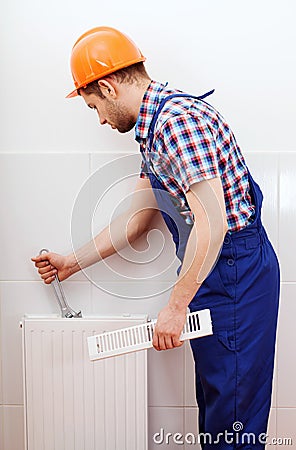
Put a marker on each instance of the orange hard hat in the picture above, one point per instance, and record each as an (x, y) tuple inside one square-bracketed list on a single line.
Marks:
[(99, 52)]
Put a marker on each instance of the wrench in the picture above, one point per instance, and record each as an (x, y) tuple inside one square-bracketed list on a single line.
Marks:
[(66, 311)]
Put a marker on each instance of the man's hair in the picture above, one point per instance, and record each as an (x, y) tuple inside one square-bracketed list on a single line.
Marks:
[(134, 74)]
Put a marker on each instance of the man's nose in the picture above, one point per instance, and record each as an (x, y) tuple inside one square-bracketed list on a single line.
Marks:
[(102, 120)]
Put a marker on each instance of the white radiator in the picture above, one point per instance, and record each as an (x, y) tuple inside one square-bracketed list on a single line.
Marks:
[(72, 403)]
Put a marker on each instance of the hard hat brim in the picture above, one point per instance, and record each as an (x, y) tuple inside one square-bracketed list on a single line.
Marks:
[(72, 94)]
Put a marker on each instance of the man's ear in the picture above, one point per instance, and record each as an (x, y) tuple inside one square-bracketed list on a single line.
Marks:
[(107, 88)]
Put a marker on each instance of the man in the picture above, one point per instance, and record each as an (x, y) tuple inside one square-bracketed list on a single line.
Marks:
[(194, 173)]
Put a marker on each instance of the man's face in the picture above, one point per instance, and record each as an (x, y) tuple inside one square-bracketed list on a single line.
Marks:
[(110, 111)]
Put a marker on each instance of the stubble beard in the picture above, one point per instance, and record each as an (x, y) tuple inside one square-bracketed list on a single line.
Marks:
[(121, 118)]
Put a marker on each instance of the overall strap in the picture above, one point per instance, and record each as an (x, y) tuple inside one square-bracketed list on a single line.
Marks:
[(163, 102)]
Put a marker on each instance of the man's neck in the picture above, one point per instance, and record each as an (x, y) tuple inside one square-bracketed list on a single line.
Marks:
[(134, 96)]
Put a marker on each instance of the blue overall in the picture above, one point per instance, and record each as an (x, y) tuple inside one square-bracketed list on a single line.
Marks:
[(234, 366)]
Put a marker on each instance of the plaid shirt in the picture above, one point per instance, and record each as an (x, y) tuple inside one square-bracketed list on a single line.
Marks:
[(192, 142)]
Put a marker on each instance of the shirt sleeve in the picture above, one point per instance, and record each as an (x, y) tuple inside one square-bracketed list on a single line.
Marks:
[(143, 170), (189, 147)]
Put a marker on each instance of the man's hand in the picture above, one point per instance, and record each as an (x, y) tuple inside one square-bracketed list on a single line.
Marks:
[(50, 264), (168, 328)]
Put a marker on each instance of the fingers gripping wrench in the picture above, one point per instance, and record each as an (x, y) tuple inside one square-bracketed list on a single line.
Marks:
[(67, 312)]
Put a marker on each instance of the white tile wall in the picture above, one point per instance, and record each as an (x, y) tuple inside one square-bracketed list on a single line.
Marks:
[(255, 91), (166, 377), (286, 348), (37, 196), (287, 215), (191, 429), (1, 394), (13, 428), (1, 428), (163, 423), (286, 430), (272, 428), (108, 297), (189, 377), (274, 396)]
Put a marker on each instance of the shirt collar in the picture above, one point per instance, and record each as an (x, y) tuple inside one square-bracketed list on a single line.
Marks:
[(151, 100)]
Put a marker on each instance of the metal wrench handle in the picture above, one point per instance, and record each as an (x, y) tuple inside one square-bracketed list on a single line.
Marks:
[(66, 310)]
